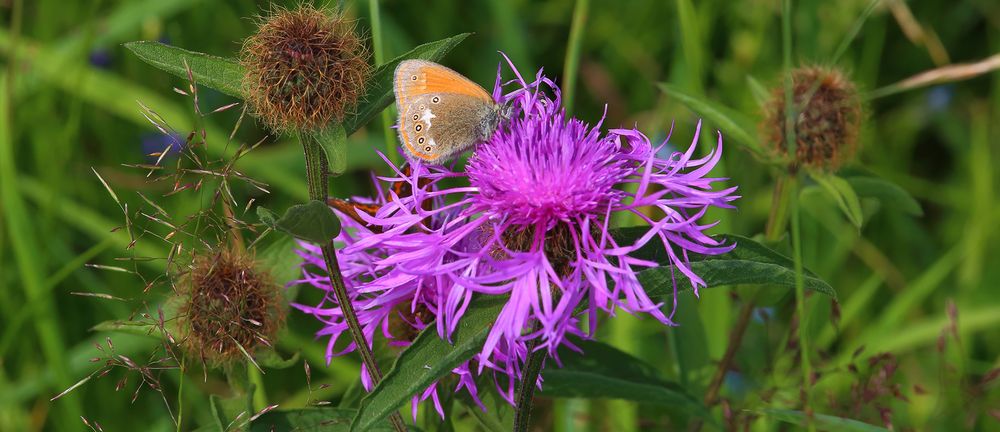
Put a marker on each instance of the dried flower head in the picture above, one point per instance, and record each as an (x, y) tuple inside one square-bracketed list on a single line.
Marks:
[(229, 307), (304, 68), (828, 118)]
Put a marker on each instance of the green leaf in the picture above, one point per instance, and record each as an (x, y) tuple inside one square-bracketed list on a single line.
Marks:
[(141, 328), (604, 372), (822, 422), (886, 192), (428, 359), (267, 217), (843, 194), (151, 326), (279, 257), (379, 94), (312, 221), (333, 141), (731, 123), (222, 74), (325, 419), (232, 414), (272, 359), (750, 263)]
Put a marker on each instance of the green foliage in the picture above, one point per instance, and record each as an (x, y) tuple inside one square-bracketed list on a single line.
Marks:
[(428, 359), (907, 230), (310, 419), (312, 221), (749, 263), (603, 372), (844, 195), (222, 74), (822, 422)]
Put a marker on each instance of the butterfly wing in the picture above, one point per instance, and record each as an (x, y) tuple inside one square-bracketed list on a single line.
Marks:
[(419, 77), (437, 126), (441, 113), (353, 209)]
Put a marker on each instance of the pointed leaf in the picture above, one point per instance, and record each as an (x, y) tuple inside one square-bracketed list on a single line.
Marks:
[(428, 359), (333, 141), (888, 193), (232, 414), (731, 123), (750, 263), (309, 419), (379, 94), (270, 358), (604, 372), (822, 422), (312, 221), (843, 194), (222, 74), (141, 328), (279, 258)]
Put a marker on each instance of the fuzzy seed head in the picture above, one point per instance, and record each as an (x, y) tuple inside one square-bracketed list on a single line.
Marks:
[(827, 123), (228, 307), (304, 69)]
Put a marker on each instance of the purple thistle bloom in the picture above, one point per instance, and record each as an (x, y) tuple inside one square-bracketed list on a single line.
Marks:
[(398, 314), (529, 219)]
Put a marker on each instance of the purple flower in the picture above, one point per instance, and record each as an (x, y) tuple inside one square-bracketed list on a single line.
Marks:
[(398, 314), (529, 219)]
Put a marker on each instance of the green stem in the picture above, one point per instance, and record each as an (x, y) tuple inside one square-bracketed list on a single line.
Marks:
[(526, 392), (800, 307), (180, 397), (317, 182), (572, 62), (791, 141), (777, 220)]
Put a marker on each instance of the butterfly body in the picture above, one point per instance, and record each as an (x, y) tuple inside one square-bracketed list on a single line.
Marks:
[(441, 112)]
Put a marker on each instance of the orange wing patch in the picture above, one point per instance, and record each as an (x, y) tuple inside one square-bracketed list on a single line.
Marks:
[(418, 77), (401, 188), (439, 79)]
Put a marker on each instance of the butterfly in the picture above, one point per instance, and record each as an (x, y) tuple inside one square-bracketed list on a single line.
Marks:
[(441, 112), (401, 189)]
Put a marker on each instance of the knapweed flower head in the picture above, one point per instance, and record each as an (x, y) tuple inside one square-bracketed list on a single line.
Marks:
[(528, 221), (398, 314), (304, 68), (827, 118), (229, 308)]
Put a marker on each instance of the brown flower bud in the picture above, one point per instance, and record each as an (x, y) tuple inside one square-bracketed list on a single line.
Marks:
[(228, 307), (828, 118), (304, 69)]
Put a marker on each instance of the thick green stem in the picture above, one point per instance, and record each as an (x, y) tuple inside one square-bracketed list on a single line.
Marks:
[(529, 380), (316, 180)]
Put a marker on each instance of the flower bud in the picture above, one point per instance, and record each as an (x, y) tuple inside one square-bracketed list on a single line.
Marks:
[(827, 120), (304, 69), (228, 307)]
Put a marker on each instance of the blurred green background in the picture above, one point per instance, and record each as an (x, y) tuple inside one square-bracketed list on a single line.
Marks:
[(70, 106)]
